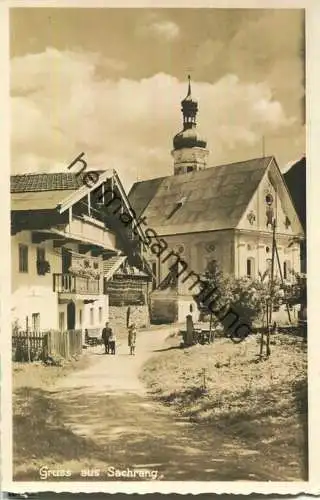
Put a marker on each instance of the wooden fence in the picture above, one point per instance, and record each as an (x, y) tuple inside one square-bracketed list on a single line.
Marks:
[(39, 346)]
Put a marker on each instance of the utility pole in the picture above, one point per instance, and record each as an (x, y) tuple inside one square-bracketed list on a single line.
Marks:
[(269, 303), (263, 147)]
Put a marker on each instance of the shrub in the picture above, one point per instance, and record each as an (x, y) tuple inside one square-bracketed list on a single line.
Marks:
[(249, 298)]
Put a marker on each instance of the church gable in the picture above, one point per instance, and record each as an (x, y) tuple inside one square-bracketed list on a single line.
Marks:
[(271, 200)]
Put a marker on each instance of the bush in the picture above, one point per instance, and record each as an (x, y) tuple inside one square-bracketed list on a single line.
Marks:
[(249, 298)]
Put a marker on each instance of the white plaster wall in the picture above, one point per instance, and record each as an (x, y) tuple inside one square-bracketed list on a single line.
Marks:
[(258, 206), (32, 293), (254, 245), (103, 302)]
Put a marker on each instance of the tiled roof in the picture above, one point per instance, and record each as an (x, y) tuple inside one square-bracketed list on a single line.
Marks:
[(61, 181), (206, 200)]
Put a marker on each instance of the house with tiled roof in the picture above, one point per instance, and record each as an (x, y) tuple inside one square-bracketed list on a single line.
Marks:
[(65, 243), (202, 217)]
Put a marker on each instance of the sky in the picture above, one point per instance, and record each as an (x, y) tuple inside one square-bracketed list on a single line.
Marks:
[(108, 82)]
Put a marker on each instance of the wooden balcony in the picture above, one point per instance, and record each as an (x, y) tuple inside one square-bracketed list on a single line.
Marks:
[(69, 283)]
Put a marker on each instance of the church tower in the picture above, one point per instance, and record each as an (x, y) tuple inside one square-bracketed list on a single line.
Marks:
[(189, 153)]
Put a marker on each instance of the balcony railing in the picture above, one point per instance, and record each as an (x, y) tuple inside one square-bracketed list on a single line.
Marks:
[(69, 283)]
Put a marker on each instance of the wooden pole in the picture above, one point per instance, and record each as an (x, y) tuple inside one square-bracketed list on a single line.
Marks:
[(262, 334), (27, 335), (271, 288), (272, 268)]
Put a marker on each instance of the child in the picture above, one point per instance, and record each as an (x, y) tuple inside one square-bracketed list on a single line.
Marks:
[(132, 336), (112, 342)]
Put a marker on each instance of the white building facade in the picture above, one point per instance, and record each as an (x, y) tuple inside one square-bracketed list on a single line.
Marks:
[(62, 234)]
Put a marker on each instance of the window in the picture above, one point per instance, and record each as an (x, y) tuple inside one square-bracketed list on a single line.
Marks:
[(250, 267), (286, 269), (80, 317), (35, 322), (23, 258), (268, 265), (189, 169), (61, 321), (41, 257), (212, 266), (100, 315), (91, 316), (41, 254)]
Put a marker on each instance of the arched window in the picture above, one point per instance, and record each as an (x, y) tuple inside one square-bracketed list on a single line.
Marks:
[(250, 267), (268, 265), (212, 266), (286, 269)]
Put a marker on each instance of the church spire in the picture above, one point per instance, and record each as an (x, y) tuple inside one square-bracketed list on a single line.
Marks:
[(189, 151), (189, 108), (189, 86)]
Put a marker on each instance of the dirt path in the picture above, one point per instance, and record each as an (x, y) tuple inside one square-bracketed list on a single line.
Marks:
[(108, 405)]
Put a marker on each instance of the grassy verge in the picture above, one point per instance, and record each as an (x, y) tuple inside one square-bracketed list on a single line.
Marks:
[(264, 403), (40, 375), (39, 434)]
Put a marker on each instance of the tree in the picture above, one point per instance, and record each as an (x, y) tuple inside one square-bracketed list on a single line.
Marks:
[(249, 298)]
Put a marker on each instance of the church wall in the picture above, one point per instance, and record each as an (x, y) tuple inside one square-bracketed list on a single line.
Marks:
[(258, 247), (197, 250), (255, 217)]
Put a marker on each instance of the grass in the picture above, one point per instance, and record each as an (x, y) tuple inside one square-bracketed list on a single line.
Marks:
[(39, 434), (224, 385), (39, 375)]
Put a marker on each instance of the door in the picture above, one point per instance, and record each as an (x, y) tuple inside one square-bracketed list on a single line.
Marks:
[(66, 260), (71, 316)]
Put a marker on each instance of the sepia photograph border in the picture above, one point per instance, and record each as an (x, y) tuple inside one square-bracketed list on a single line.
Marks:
[(312, 486)]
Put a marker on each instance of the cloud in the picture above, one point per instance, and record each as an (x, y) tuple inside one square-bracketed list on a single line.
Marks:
[(61, 107), (267, 47), (162, 30)]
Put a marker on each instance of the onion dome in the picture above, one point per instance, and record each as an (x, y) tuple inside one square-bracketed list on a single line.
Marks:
[(189, 137)]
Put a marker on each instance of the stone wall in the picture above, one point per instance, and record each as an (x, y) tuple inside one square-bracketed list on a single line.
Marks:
[(138, 315), (167, 306)]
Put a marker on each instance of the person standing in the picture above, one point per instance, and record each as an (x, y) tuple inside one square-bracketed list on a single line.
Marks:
[(112, 342), (106, 334), (132, 337)]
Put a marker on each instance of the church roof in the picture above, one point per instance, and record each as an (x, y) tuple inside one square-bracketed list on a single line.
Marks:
[(205, 200)]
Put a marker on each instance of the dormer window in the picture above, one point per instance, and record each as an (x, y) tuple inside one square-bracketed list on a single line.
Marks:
[(178, 205)]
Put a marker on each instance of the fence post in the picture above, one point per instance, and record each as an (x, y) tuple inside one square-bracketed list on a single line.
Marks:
[(27, 339), (67, 345)]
